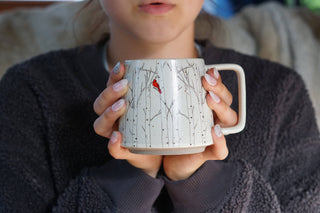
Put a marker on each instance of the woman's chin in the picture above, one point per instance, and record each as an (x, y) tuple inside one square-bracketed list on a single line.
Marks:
[(160, 35)]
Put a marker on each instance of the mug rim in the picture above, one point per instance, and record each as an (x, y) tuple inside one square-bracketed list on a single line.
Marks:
[(162, 59)]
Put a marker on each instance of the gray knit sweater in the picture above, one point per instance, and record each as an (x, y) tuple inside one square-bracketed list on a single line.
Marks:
[(51, 160)]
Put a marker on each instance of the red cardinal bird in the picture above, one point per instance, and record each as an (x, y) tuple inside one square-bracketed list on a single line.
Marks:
[(156, 85)]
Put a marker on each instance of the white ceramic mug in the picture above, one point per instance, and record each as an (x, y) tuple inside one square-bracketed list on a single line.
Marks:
[(167, 113)]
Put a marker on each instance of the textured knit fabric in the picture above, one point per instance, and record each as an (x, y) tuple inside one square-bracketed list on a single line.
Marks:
[(51, 160)]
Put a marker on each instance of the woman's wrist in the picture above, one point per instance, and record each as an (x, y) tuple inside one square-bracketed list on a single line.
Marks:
[(179, 175), (205, 189), (177, 169), (151, 173)]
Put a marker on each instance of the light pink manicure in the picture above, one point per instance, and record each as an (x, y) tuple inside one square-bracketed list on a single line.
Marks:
[(114, 137), (116, 68), (120, 85), (216, 73), (117, 105), (217, 130), (214, 97), (212, 81)]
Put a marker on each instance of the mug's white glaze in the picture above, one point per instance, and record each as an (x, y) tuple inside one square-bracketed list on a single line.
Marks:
[(167, 113)]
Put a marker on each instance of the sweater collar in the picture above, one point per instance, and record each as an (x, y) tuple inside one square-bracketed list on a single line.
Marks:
[(198, 47)]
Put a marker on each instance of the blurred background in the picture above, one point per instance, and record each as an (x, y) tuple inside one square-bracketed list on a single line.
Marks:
[(227, 8), (6, 5)]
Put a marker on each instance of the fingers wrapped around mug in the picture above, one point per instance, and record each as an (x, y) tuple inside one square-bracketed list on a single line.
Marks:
[(211, 81), (116, 88), (219, 99), (104, 125), (110, 95), (109, 105)]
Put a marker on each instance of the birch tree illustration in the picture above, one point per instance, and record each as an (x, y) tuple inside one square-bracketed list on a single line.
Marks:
[(195, 100), (148, 76), (200, 104), (167, 102), (159, 108), (184, 77)]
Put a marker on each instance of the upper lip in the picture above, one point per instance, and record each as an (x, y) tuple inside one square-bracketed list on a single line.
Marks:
[(146, 2)]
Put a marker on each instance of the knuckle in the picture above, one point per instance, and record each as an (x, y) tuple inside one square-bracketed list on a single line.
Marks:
[(96, 106), (107, 115), (102, 101), (230, 99), (98, 128), (234, 120), (102, 125), (225, 107), (106, 94), (219, 88), (225, 111), (228, 115)]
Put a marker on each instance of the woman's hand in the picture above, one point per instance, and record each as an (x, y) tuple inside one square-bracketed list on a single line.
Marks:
[(110, 106), (219, 99)]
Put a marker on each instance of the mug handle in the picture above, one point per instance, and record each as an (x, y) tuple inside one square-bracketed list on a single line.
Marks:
[(241, 95)]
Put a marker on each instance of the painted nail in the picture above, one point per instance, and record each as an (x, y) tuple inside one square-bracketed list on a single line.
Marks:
[(114, 137), (216, 73), (214, 97), (117, 105), (120, 85), (212, 81), (116, 68), (217, 130)]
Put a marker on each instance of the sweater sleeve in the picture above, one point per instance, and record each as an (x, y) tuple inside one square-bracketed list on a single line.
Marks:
[(114, 187), (26, 181), (223, 187), (290, 185), (130, 189)]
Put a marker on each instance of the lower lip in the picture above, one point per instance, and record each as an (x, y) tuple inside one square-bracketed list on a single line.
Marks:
[(154, 9)]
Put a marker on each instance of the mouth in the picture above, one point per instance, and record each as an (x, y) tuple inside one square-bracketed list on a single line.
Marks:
[(156, 7)]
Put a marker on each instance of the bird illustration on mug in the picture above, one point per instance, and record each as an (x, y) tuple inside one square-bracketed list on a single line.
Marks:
[(155, 84)]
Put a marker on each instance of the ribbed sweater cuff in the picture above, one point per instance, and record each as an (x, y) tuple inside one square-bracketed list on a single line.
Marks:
[(130, 189), (205, 190)]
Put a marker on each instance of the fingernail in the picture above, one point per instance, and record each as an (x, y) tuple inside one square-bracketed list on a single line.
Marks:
[(120, 85), (214, 97), (117, 105), (217, 130), (116, 68), (210, 80), (216, 73), (114, 137)]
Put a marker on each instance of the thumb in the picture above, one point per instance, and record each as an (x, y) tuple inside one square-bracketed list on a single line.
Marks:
[(218, 150), (114, 146)]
